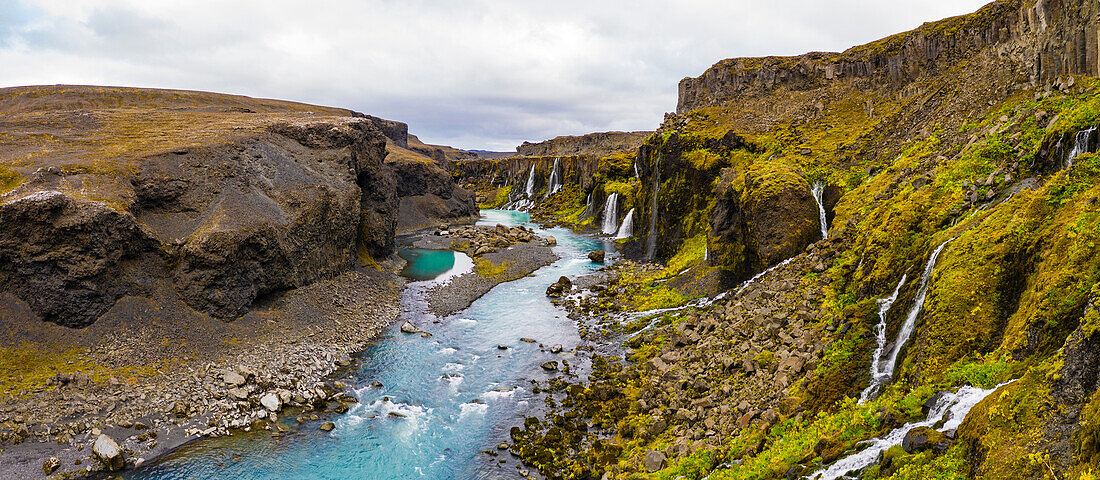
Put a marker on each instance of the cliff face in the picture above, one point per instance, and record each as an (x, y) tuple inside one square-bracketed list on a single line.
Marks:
[(218, 200), (594, 144), (1042, 40)]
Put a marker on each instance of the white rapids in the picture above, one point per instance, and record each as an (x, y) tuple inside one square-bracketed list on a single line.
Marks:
[(950, 407)]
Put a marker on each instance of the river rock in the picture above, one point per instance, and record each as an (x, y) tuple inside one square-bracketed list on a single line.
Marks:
[(108, 453), (408, 327), (551, 241), (559, 288), (551, 366), (556, 348), (271, 402), (596, 256), (328, 427), (654, 461)]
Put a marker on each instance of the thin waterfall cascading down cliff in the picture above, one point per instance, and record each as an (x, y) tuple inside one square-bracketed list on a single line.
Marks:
[(651, 239), (554, 184), (636, 174), (1080, 144), (516, 203), (611, 215), (951, 408), (818, 189), (531, 183), (626, 230), (878, 377), (886, 370), (587, 213)]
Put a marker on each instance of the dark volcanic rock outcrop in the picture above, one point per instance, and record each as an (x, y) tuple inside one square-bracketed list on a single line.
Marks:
[(66, 257), (597, 144), (219, 209), (427, 193), (1042, 39)]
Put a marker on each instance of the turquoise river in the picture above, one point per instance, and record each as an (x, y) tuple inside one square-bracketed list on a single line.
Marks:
[(444, 400)]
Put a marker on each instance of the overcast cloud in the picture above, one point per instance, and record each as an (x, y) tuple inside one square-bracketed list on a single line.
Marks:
[(473, 74)]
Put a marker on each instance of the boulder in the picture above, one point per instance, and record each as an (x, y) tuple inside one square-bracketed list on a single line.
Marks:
[(596, 256), (327, 427), (107, 451), (271, 402), (923, 438), (559, 288), (408, 327), (551, 241), (772, 216), (51, 465), (551, 366), (654, 461)]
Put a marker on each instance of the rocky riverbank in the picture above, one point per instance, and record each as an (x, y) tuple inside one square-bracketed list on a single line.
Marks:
[(694, 376), (153, 387), (501, 254)]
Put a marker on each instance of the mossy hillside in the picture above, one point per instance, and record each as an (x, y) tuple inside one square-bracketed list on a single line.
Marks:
[(495, 197), (689, 163), (640, 289), (1006, 291)]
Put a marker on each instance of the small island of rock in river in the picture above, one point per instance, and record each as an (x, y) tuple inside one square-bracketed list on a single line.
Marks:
[(882, 263)]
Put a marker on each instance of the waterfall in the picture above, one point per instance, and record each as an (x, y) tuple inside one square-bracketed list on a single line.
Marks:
[(611, 214), (587, 208), (1080, 145), (651, 240), (878, 377), (626, 230), (636, 174), (531, 182), (950, 407), (817, 189), (914, 312), (554, 184)]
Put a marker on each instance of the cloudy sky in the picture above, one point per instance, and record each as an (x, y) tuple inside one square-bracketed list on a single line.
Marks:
[(470, 73)]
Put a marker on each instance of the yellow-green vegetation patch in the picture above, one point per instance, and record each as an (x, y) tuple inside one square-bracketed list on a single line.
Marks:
[(9, 179), (488, 269), (691, 253), (647, 289), (496, 197), (1008, 425), (25, 368)]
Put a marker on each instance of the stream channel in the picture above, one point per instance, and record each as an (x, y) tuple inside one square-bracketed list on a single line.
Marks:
[(444, 400)]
